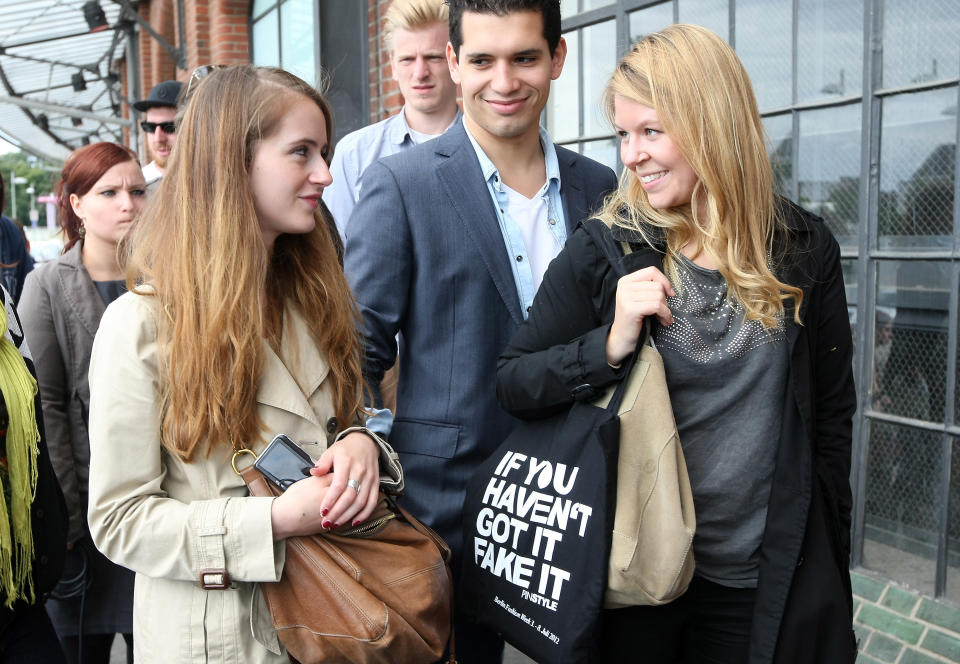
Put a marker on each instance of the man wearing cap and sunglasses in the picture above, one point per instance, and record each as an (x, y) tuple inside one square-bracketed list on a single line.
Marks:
[(159, 109)]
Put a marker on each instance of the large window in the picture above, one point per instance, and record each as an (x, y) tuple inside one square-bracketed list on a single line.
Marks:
[(859, 101), (325, 44)]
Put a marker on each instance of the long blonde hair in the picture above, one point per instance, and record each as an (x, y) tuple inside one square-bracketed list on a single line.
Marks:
[(705, 102), (199, 248)]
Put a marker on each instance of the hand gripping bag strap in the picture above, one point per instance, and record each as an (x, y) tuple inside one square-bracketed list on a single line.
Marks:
[(376, 593), (651, 552)]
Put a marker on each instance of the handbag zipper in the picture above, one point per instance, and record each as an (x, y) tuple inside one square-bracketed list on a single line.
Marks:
[(367, 527)]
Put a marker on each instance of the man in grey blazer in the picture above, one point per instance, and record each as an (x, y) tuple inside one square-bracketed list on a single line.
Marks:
[(447, 246)]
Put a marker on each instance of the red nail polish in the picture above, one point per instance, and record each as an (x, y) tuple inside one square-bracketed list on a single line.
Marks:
[(356, 523), (324, 511), (336, 525), (327, 524)]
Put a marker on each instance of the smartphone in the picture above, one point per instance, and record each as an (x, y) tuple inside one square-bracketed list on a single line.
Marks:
[(283, 462)]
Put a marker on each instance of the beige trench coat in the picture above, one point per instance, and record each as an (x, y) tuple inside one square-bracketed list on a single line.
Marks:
[(168, 520)]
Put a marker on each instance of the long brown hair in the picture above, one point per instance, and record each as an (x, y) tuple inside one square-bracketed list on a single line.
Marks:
[(199, 251), (704, 100), (80, 172)]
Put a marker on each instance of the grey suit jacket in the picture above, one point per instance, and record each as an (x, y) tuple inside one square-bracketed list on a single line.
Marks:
[(425, 257), (61, 310)]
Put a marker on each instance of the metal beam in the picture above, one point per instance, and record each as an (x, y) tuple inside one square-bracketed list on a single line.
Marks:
[(65, 110), (179, 59)]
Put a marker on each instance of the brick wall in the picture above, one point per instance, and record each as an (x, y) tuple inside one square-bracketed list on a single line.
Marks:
[(385, 97), (897, 626)]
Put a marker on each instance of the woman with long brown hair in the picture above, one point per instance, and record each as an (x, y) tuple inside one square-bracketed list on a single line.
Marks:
[(100, 193), (239, 326), (746, 296)]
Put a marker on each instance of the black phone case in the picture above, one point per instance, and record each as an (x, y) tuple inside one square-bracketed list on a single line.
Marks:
[(283, 462)]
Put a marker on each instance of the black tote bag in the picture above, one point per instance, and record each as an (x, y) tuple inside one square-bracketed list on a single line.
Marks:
[(538, 518)]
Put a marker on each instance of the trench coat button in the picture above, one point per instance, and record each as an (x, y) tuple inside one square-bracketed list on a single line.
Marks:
[(44, 560), (39, 513), (332, 425)]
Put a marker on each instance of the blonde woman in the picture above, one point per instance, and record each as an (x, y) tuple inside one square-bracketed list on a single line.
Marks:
[(747, 302), (239, 326)]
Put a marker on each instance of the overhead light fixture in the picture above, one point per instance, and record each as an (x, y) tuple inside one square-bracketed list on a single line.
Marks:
[(78, 83), (43, 122), (85, 140), (111, 78), (96, 19), (75, 121)]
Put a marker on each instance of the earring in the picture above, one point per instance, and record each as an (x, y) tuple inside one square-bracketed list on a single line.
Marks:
[(82, 231)]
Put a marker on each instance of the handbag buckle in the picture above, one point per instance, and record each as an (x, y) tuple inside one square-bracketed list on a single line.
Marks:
[(215, 579)]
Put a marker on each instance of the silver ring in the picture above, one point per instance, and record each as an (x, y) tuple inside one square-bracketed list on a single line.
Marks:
[(354, 484)]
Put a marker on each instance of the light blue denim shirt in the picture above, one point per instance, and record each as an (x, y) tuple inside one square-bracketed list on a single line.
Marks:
[(512, 236), (354, 153)]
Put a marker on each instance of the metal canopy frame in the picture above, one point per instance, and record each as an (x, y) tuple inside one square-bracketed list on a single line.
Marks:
[(44, 44)]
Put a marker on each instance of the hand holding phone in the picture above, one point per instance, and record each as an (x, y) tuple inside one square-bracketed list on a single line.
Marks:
[(283, 462)]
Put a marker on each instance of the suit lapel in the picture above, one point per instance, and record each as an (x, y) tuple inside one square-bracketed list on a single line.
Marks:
[(79, 291), (460, 176), (571, 189)]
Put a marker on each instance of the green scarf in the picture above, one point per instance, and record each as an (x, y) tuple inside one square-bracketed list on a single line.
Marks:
[(19, 388)]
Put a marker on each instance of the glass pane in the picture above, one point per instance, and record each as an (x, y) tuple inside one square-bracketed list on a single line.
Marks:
[(910, 359), (920, 45), (649, 20), (829, 48), (296, 19), (763, 43), (828, 166), (953, 524), (563, 104), (711, 14), (779, 130), (850, 267), (917, 165), (599, 60), (902, 502), (593, 4), (568, 8), (604, 151), (260, 6), (265, 41)]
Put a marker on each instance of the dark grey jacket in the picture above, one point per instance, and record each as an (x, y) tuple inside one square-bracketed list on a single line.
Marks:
[(61, 310)]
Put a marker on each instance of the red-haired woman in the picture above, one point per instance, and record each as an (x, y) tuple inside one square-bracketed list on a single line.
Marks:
[(100, 193)]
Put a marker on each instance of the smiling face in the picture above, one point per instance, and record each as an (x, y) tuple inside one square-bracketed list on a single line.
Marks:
[(652, 156), (289, 172), (504, 69), (160, 142), (420, 69), (112, 203)]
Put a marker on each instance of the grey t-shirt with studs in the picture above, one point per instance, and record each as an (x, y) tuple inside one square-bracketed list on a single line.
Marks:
[(727, 381)]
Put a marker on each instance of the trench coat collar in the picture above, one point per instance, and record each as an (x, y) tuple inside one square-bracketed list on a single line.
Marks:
[(290, 379), (78, 289)]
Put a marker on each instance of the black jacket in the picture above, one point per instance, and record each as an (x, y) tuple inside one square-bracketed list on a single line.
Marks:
[(49, 511), (803, 610)]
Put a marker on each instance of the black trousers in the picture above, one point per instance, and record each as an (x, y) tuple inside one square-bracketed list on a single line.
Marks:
[(709, 624)]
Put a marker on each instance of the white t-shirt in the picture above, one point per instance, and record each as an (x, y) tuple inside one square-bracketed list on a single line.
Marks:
[(530, 214)]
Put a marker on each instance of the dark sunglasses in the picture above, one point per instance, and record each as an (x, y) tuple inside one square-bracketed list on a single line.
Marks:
[(166, 127)]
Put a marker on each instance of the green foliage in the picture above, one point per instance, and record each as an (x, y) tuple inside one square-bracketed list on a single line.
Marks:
[(38, 174)]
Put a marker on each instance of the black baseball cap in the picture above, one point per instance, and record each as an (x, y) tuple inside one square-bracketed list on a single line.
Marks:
[(162, 94)]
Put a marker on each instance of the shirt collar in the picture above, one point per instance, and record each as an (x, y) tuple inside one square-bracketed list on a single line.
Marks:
[(398, 130), (489, 170)]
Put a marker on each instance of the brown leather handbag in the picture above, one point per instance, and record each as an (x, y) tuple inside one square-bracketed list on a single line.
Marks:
[(376, 593)]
